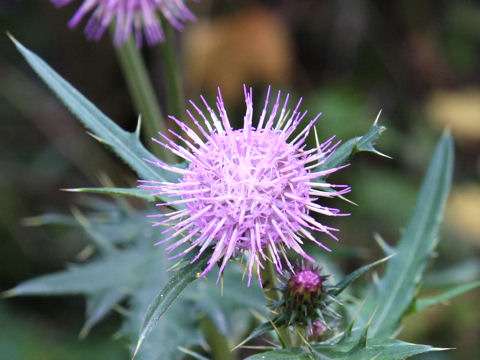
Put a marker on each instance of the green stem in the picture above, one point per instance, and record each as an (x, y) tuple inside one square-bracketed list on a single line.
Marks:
[(173, 78), (217, 341), (273, 295), (142, 93)]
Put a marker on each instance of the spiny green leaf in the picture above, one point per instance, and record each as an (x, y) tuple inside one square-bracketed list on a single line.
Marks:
[(347, 280), (231, 297), (138, 193), (424, 303), (126, 145), (346, 151), (183, 276), (120, 271), (378, 349), (395, 292), (467, 270)]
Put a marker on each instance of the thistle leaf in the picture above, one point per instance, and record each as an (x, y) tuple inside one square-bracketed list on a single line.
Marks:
[(134, 192), (395, 292), (125, 144), (183, 276), (119, 271), (424, 303), (349, 148), (347, 280), (378, 349)]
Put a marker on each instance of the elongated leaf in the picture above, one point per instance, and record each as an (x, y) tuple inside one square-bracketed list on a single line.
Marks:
[(126, 145), (424, 303), (138, 193), (394, 294), (165, 298), (378, 349), (347, 280)]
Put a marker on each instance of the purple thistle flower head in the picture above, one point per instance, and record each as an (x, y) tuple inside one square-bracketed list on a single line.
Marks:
[(137, 15), (248, 191)]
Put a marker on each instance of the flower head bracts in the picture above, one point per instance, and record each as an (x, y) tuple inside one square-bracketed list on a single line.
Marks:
[(136, 15), (249, 191), (305, 301)]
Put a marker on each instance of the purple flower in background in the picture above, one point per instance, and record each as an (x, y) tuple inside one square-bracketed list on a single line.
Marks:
[(136, 15), (248, 191)]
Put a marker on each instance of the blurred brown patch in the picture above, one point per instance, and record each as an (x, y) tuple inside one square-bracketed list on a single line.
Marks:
[(251, 46), (463, 211), (458, 110)]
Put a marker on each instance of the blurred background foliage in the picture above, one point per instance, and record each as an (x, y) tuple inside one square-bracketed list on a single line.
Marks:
[(418, 61)]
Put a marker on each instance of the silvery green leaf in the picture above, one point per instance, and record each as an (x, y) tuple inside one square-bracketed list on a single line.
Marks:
[(349, 148), (424, 303), (378, 349), (185, 274), (125, 144), (393, 295), (133, 192)]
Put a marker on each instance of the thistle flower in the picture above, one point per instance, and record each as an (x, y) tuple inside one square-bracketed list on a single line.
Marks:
[(247, 191), (136, 15)]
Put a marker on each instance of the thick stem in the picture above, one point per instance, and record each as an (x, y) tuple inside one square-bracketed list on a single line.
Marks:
[(273, 294), (173, 78), (142, 93), (216, 340)]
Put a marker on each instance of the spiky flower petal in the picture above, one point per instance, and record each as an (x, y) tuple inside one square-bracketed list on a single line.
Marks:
[(249, 191), (129, 15)]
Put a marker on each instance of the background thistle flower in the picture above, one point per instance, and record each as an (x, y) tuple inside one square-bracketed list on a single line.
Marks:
[(247, 190), (137, 15)]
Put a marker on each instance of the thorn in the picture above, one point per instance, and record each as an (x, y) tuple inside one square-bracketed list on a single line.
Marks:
[(387, 249), (136, 350), (32, 221), (376, 152), (98, 138), (139, 125), (12, 38), (71, 189), (7, 294), (84, 332), (317, 142), (347, 200), (378, 117)]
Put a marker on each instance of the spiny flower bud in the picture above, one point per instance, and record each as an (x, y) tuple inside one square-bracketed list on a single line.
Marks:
[(306, 299), (306, 284)]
